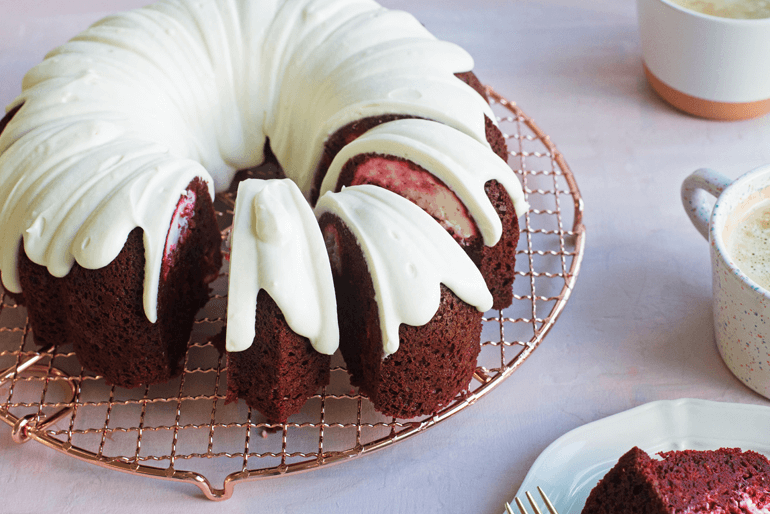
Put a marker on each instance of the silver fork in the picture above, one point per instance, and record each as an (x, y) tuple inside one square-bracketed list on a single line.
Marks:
[(523, 510)]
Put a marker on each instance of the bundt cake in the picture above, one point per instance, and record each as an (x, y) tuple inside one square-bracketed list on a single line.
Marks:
[(111, 156), (720, 481)]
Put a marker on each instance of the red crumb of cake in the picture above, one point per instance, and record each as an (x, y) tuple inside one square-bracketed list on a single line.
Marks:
[(280, 370), (727, 480), (407, 179), (420, 187)]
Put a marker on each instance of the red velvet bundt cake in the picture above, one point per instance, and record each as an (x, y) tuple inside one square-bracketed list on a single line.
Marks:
[(111, 156), (722, 481)]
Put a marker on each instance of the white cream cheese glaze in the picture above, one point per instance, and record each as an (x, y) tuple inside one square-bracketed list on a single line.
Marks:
[(450, 155), (276, 245), (116, 122), (408, 256)]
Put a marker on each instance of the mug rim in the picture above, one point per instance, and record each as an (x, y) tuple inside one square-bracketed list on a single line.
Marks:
[(718, 220), (712, 17)]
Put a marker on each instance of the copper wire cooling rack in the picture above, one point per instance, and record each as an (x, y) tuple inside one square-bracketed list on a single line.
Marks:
[(183, 430)]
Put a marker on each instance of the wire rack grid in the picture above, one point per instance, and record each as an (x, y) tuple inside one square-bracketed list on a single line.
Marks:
[(184, 431)]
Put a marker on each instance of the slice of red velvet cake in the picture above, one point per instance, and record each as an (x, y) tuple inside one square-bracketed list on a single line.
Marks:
[(496, 262), (279, 370), (410, 342), (282, 317), (722, 481), (101, 311)]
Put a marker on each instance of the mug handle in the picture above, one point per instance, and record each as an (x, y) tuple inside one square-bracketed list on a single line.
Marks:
[(694, 199)]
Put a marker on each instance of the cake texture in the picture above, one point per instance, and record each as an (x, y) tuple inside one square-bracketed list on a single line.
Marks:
[(100, 312), (689, 481), (112, 154)]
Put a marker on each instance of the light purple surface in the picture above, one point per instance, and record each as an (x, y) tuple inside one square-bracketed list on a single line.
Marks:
[(638, 327)]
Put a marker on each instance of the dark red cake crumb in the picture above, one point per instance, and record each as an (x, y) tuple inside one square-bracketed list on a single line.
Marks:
[(722, 481), (472, 80), (496, 139), (434, 362), (342, 137), (280, 370), (498, 262)]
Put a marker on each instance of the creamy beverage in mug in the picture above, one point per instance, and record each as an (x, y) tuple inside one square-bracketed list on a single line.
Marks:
[(742, 9), (749, 244)]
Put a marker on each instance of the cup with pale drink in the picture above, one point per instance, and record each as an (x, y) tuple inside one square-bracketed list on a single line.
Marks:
[(738, 231)]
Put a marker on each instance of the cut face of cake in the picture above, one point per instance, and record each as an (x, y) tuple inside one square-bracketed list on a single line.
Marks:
[(687, 482), (100, 312)]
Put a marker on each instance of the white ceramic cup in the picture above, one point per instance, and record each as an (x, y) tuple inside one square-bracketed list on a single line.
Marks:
[(741, 306), (706, 65)]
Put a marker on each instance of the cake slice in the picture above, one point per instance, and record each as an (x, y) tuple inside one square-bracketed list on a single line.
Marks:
[(721, 481), (281, 317), (101, 312), (409, 300)]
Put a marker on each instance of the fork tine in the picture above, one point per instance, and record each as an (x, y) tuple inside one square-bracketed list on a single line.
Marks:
[(548, 503), (532, 502)]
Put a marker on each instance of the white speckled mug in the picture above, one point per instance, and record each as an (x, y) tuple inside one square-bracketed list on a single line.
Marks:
[(741, 306)]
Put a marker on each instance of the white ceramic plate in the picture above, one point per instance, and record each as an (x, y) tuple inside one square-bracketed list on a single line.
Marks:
[(573, 464)]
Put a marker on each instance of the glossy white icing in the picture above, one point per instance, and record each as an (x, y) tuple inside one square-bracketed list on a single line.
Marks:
[(276, 245), (408, 256), (455, 158), (116, 122)]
